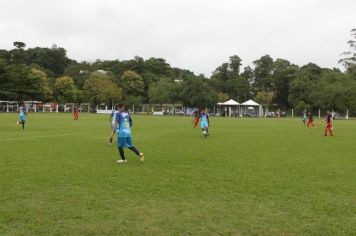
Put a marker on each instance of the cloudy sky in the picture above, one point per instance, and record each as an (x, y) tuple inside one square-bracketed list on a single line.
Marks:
[(197, 35)]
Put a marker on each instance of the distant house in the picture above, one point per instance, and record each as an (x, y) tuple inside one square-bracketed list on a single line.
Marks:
[(178, 81), (104, 72)]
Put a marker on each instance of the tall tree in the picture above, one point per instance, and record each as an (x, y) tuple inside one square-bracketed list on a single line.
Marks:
[(64, 89), (349, 57), (263, 73)]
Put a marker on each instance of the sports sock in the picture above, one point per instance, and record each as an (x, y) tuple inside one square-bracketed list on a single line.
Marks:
[(122, 153)]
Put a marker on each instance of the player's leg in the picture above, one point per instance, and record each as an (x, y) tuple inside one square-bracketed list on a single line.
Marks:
[(134, 149), (121, 145), (122, 155)]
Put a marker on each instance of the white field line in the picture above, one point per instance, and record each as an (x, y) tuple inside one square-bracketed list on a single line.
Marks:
[(42, 136)]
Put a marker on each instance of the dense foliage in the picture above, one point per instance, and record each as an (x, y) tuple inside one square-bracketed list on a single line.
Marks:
[(47, 74)]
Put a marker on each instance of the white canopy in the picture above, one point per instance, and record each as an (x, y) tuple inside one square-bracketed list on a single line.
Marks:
[(231, 102), (250, 103)]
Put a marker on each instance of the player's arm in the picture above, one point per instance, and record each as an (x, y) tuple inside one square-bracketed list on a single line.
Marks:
[(117, 118), (130, 120)]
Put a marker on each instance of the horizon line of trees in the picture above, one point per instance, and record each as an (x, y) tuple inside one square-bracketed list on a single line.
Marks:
[(47, 74)]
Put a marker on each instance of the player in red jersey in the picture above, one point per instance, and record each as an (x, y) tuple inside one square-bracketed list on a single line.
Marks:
[(310, 120), (196, 118), (76, 113), (329, 124)]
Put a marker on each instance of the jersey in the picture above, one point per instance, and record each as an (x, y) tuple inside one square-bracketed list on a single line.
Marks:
[(328, 119), (113, 117), (124, 123), (22, 114), (204, 120)]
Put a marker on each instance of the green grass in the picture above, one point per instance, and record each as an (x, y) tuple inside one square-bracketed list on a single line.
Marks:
[(250, 177)]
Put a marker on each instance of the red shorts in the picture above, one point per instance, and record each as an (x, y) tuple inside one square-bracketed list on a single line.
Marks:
[(329, 125)]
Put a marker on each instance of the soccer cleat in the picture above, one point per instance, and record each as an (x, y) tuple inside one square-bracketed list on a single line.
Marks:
[(121, 161), (142, 157)]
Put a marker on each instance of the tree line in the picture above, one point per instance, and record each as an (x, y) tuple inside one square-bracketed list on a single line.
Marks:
[(47, 74)]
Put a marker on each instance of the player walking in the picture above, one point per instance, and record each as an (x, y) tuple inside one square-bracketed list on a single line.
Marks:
[(329, 124), (204, 123), (310, 120), (123, 123), (22, 117)]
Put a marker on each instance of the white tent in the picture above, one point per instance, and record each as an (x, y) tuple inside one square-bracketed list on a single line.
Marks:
[(231, 102), (228, 105), (252, 104)]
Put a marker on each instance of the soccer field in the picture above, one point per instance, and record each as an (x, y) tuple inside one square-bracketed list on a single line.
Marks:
[(249, 177)]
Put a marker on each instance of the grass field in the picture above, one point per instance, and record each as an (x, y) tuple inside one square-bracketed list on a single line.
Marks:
[(249, 177)]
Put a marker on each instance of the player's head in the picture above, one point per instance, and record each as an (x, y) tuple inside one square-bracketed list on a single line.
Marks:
[(117, 107), (121, 106), (328, 112)]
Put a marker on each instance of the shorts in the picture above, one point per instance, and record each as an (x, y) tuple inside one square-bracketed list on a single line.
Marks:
[(329, 126), (203, 125), (22, 118), (124, 142)]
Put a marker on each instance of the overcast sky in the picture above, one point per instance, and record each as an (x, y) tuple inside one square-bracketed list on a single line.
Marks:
[(197, 35)]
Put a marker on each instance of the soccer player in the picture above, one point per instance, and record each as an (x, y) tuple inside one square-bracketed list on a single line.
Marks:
[(204, 123), (22, 116), (310, 120), (123, 122), (112, 119), (329, 124), (304, 117), (76, 113), (196, 118)]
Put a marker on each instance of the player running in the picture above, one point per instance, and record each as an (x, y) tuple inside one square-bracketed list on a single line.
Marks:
[(76, 113), (204, 123), (196, 118), (22, 116), (329, 124), (112, 119), (310, 120), (123, 123)]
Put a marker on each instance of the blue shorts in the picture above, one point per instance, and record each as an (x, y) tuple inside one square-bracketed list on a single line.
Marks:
[(23, 118), (203, 125), (124, 142)]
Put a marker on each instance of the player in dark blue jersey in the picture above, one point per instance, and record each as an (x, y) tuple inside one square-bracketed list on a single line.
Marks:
[(123, 123)]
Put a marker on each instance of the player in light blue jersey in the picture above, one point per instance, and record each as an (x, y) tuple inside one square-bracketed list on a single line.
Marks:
[(22, 116), (204, 123), (112, 119), (123, 123)]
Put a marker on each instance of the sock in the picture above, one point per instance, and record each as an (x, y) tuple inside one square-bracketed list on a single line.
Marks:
[(122, 153), (110, 140)]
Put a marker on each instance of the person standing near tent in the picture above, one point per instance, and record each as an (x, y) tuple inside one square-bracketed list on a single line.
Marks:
[(329, 124), (22, 116)]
